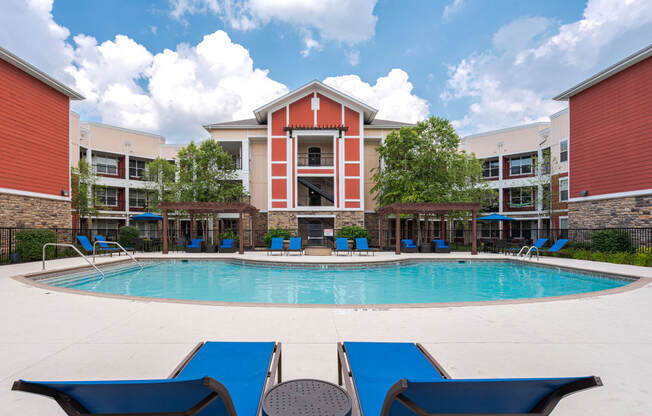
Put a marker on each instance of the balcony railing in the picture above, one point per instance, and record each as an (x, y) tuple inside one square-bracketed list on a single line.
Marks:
[(109, 171), (315, 159)]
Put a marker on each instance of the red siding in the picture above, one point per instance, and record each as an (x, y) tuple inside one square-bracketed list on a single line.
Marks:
[(352, 121), (33, 134), (301, 112), (278, 122), (330, 112), (611, 134)]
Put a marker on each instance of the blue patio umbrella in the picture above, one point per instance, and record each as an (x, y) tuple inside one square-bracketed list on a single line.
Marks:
[(495, 217), (147, 216)]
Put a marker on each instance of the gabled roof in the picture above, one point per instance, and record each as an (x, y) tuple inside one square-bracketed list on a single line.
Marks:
[(631, 60), (9, 57), (261, 113)]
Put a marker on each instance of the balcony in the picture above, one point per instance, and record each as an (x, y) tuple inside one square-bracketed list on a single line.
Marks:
[(109, 171), (315, 159), (315, 192), (110, 204)]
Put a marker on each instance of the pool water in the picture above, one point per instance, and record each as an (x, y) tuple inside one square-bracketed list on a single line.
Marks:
[(410, 282)]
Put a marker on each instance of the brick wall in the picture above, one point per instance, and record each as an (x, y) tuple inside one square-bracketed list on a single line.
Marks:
[(28, 212), (611, 213)]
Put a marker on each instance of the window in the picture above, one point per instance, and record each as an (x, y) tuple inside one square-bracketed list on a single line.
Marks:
[(137, 198), (106, 165), (107, 197), (563, 190), (490, 169), (137, 168), (489, 229), (563, 151), (520, 197), (106, 228), (563, 227), (314, 156), (520, 165)]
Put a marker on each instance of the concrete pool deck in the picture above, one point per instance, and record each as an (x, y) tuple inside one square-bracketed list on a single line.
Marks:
[(48, 335)]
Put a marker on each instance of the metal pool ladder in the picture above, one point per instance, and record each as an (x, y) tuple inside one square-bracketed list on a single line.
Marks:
[(74, 248), (121, 248)]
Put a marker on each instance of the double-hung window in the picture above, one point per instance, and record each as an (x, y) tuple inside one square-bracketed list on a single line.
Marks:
[(520, 165), (137, 168), (563, 151), (137, 198), (520, 197), (563, 190), (107, 197), (490, 169), (106, 165)]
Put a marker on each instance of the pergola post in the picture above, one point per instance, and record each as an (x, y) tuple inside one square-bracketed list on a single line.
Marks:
[(192, 226), (253, 231), (442, 227), (165, 231), (241, 234), (398, 233), (474, 237)]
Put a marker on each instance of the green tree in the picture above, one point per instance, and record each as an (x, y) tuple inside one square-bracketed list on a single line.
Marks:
[(84, 184), (160, 175), (423, 163)]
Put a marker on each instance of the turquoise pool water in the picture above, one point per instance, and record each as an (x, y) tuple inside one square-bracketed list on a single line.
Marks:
[(413, 282)]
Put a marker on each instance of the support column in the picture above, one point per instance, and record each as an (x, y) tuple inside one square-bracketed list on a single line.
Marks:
[(442, 227), (474, 231), (241, 234), (165, 231), (398, 233), (192, 226)]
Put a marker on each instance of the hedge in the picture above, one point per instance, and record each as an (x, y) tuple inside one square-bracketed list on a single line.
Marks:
[(29, 244), (276, 232), (611, 241), (353, 232), (126, 236)]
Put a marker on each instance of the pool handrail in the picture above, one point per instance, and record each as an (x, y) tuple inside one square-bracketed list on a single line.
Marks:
[(121, 248), (74, 248)]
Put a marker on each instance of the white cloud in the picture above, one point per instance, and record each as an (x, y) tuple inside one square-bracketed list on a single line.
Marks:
[(452, 9), (534, 58), (391, 95), (345, 21), (353, 57), (176, 91)]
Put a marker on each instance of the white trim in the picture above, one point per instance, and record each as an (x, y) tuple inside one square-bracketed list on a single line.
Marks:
[(269, 165), (559, 113), (315, 216), (352, 177), (565, 139), (611, 196), (352, 162), (34, 194), (316, 175), (565, 178)]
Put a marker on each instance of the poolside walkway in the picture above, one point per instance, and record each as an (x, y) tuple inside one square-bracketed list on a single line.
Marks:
[(48, 334)]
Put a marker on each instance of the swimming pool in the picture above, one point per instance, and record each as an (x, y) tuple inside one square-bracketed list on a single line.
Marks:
[(395, 283)]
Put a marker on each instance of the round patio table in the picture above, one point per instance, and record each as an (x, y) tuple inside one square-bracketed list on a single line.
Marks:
[(307, 397)]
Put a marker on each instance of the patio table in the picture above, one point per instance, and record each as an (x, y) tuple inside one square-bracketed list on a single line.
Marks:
[(307, 397)]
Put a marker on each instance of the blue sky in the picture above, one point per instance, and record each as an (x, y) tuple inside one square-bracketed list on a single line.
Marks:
[(482, 64)]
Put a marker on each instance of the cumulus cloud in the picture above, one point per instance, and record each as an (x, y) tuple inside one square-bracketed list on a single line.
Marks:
[(345, 21), (176, 91), (452, 9), (534, 58), (391, 95)]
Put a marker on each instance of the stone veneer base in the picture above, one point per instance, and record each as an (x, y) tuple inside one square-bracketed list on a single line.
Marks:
[(632, 211), (31, 212)]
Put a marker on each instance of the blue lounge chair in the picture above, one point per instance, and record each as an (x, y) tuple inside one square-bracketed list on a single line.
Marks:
[(342, 246), (390, 378), (276, 246), (88, 247), (226, 246), (537, 246), (295, 246), (559, 244), (362, 246), (408, 246), (195, 245), (217, 378), (440, 246), (105, 247)]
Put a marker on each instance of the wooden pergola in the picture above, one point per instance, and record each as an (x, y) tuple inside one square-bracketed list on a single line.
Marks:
[(193, 208), (429, 208)]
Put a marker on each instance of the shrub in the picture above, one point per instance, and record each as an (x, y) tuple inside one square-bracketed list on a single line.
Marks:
[(229, 234), (127, 235), (275, 232), (611, 241), (29, 244), (642, 259), (353, 232)]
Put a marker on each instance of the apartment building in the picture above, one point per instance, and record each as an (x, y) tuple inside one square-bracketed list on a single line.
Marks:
[(35, 127), (306, 159), (610, 145), (118, 156), (527, 165)]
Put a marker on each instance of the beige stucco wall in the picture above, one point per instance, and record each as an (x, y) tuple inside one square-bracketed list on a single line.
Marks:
[(234, 134), (75, 136), (114, 139), (258, 173), (514, 140), (325, 145), (371, 133), (559, 130), (170, 151), (370, 162)]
